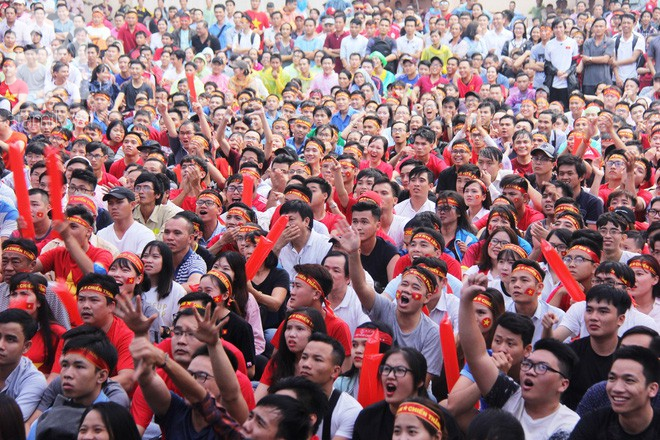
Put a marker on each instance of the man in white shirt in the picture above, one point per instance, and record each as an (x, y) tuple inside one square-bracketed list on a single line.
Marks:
[(409, 43), (299, 243), (125, 233), (421, 182), (496, 37), (560, 51), (244, 39), (535, 400), (628, 47), (353, 43), (345, 302)]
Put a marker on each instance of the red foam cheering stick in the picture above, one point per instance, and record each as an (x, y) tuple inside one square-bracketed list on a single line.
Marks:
[(248, 190), (371, 387), (21, 190), (191, 86), (55, 184), (556, 264), (448, 344), (577, 140), (264, 247)]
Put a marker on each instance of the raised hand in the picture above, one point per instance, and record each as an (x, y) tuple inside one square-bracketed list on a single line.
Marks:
[(473, 286), (348, 238), (132, 315), (210, 326)]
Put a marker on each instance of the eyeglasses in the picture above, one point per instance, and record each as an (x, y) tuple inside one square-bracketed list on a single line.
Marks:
[(208, 203), (94, 156), (561, 248), (498, 242), (542, 159), (612, 232), (79, 189), (143, 188), (399, 372), (180, 333), (232, 188), (609, 282), (616, 164), (577, 260), (540, 368), (444, 208), (200, 376), (653, 212)]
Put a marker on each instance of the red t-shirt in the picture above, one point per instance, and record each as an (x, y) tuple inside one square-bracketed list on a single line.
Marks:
[(121, 337), (474, 85), (330, 220), (382, 166), (259, 20), (453, 266), (60, 261), (119, 166), (37, 351), (523, 170), (435, 164), (17, 139), (109, 179), (346, 210), (531, 215), (336, 328), (11, 92)]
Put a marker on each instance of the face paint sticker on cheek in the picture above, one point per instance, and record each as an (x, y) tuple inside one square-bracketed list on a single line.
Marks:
[(40, 215), (530, 292), (417, 296), (130, 280), (486, 322)]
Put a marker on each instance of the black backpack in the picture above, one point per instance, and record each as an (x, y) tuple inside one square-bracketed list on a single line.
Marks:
[(617, 41)]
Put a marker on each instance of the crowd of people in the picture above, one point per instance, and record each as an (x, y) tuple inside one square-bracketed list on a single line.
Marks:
[(366, 221)]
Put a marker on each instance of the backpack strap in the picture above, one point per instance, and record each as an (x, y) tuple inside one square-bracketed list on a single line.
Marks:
[(327, 420)]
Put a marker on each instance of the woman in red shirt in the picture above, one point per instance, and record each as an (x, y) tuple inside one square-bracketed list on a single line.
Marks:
[(28, 292)]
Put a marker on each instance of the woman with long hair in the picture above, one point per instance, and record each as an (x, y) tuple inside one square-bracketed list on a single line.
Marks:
[(477, 199), (233, 264), (270, 286), (350, 381), (160, 290), (474, 42), (403, 376), (519, 42), (508, 254), (487, 264), (646, 291), (127, 269), (27, 291), (103, 81), (236, 330), (107, 420), (456, 227), (375, 155), (299, 326)]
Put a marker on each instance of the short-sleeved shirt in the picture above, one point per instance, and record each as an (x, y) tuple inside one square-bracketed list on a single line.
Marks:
[(134, 239), (59, 260), (11, 92), (595, 74), (424, 337), (130, 93), (561, 54), (604, 424), (625, 51), (506, 394), (591, 369), (591, 207), (191, 264)]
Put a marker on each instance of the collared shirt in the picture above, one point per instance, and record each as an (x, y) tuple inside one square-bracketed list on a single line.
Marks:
[(405, 208), (350, 45), (350, 310), (313, 252), (157, 219), (342, 122), (219, 229), (541, 310), (190, 265), (25, 384), (447, 305)]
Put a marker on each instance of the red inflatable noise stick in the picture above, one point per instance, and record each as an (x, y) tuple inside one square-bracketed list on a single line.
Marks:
[(555, 262), (264, 247), (21, 303), (55, 184), (69, 301), (449, 354), (248, 190), (191, 86), (371, 387), (20, 188)]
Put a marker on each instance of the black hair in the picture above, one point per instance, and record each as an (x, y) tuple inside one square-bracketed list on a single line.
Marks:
[(294, 422), (146, 176), (22, 318), (93, 339), (615, 219), (574, 161), (105, 281), (309, 393), (645, 357), (284, 360), (617, 297), (620, 270), (11, 419), (335, 253), (118, 420), (518, 324), (564, 354), (495, 424), (301, 208), (236, 262), (338, 352), (166, 274), (417, 365), (650, 261), (318, 273)]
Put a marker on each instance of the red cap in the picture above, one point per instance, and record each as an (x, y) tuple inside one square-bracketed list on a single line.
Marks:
[(371, 197)]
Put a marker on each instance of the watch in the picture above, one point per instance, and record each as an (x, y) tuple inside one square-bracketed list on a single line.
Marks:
[(167, 356)]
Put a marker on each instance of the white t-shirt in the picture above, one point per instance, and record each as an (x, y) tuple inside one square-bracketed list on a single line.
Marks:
[(343, 417), (350, 310), (574, 320), (561, 54), (134, 239), (167, 306), (625, 51)]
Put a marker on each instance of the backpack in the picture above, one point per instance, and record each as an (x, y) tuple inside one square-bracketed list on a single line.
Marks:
[(640, 61)]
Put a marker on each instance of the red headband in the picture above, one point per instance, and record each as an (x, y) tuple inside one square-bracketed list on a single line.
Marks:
[(366, 333), (90, 356)]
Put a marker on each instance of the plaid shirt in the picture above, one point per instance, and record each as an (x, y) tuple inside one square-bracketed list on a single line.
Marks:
[(224, 426)]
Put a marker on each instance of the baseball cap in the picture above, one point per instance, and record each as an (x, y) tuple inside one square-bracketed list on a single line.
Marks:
[(545, 148), (119, 192)]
